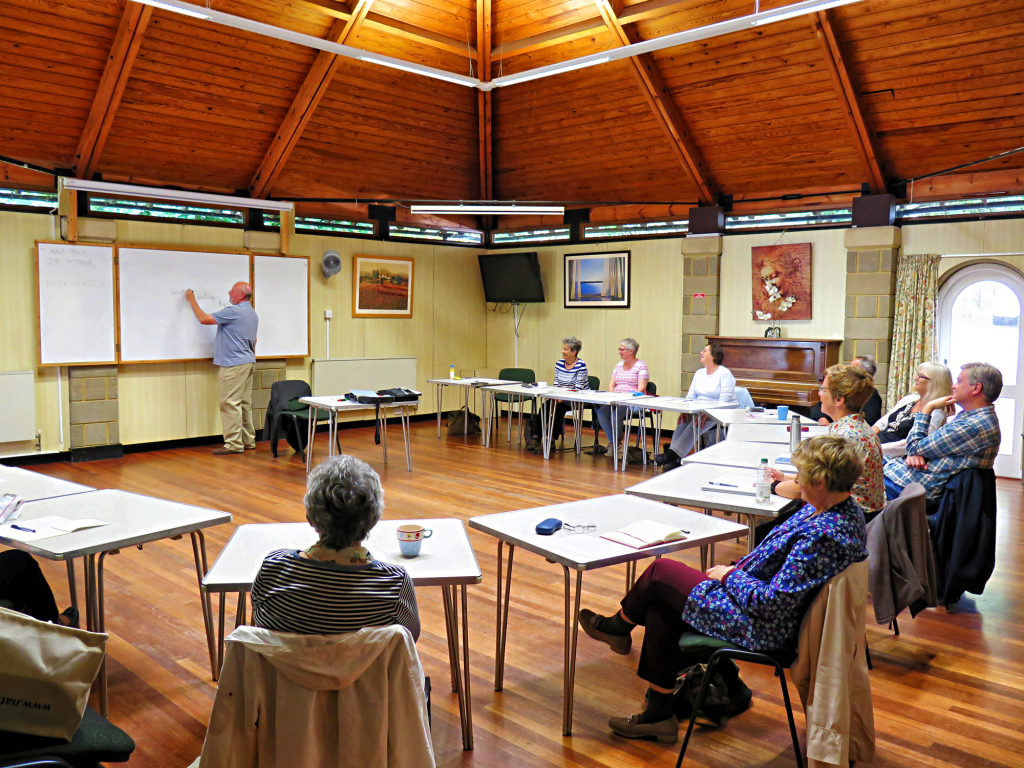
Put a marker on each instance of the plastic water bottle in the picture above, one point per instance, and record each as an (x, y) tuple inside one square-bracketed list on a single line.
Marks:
[(764, 483), (451, 372), (794, 432)]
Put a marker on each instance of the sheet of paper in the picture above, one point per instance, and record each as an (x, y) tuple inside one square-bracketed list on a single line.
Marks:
[(27, 532), (590, 545), (64, 524)]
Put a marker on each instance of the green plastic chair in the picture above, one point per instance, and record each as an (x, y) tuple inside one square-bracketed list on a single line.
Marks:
[(526, 376)]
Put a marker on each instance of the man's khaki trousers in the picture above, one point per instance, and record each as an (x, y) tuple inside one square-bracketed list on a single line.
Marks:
[(236, 406)]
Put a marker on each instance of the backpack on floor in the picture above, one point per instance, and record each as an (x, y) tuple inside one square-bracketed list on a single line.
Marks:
[(457, 423)]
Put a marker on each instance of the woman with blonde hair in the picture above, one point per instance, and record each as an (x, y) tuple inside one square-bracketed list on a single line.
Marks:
[(757, 603), (933, 380)]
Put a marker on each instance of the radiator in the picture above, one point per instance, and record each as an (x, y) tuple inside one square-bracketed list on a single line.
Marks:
[(18, 399), (336, 376)]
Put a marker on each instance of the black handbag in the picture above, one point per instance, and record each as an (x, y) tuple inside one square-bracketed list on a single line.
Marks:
[(401, 394)]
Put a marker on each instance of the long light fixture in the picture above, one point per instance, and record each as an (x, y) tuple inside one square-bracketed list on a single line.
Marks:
[(195, 14), (157, 193), (501, 209), (616, 54), (547, 71)]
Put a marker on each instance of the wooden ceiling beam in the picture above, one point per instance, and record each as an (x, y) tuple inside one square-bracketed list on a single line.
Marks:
[(312, 90), (863, 136), (123, 51), (483, 47), (663, 106)]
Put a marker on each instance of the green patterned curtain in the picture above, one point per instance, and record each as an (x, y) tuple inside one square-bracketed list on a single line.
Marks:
[(913, 327)]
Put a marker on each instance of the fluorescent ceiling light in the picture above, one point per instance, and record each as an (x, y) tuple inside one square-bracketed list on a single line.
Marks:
[(195, 14), (417, 69), (789, 12), (743, 23), (504, 210), (156, 193), (550, 69)]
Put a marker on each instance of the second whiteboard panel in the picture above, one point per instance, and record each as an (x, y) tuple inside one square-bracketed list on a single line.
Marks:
[(282, 303)]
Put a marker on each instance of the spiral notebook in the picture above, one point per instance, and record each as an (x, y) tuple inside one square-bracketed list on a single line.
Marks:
[(741, 485)]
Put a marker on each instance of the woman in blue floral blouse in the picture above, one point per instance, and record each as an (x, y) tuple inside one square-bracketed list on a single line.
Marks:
[(758, 603)]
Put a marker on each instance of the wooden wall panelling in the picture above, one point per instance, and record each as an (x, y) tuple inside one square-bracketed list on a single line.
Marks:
[(153, 402), (306, 100), (202, 398), (864, 139), (120, 61)]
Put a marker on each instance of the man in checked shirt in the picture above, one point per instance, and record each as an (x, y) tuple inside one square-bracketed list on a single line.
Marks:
[(969, 440)]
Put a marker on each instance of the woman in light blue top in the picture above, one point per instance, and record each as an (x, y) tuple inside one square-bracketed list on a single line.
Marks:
[(714, 385)]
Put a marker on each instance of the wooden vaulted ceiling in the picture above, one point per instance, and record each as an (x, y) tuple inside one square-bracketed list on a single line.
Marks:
[(865, 94)]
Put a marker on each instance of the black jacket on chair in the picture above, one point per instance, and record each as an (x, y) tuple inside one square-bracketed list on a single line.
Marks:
[(281, 394), (963, 534)]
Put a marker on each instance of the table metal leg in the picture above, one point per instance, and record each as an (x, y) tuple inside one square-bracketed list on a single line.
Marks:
[(310, 436), (467, 725), (199, 555), (625, 444), (501, 621), (451, 622), (220, 633), (459, 668), (406, 433), (72, 587), (703, 557), (100, 625), (751, 532), (572, 623), (547, 424), (241, 611), (437, 397), (382, 420)]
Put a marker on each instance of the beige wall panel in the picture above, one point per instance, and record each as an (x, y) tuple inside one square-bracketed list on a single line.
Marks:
[(152, 232), (213, 237), (828, 286), (202, 399), (153, 402), (965, 238), (19, 334)]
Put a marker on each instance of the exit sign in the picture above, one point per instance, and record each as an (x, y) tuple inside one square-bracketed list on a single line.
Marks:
[(699, 296)]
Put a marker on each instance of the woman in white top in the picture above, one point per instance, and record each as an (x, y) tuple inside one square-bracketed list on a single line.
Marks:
[(933, 381), (713, 384)]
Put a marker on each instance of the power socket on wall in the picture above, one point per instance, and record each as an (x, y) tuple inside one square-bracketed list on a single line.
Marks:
[(328, 314)]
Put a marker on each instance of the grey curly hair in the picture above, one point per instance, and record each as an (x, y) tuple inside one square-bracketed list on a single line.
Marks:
[(344, 500)]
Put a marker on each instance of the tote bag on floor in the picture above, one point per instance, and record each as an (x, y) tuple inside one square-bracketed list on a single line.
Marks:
[(46, 675)]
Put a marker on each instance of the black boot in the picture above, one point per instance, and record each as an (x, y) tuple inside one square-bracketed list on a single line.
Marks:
[(668, 457)]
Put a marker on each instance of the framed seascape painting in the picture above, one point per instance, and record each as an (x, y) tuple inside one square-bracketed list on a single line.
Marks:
[(781, 278), (381, 287), (597, 280)]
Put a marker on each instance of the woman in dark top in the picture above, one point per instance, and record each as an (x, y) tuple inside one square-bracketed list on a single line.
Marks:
[(933, 380), (757, 604)]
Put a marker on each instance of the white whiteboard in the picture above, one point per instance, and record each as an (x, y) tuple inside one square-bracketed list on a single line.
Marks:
[(156, 321), (282, 303), (336, 376), (76, 303)]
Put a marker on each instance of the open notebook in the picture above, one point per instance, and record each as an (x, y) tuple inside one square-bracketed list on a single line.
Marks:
[(645, 533), (742, 485)]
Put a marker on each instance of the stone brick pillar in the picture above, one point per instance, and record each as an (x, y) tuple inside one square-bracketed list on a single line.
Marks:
[(870, 291), (701, 268), (267, 372), (95, 431)]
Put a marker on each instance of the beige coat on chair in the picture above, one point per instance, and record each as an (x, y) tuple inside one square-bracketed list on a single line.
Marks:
[(313, 701), (831, 673)]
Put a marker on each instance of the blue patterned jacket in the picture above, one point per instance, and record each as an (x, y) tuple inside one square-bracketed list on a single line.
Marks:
[(761, 603)]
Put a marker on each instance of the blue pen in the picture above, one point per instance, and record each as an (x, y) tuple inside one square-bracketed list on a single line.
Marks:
[(19, 528), (723, 485)]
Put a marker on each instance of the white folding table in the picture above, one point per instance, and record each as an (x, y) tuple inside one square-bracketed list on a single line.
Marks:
[(771, 433), (584, 552), (133, 520), (32, 486), (518, 394), (446, 560), (729, 416), (679, 405), (735, 453), (467, 387), (549, 397), (682, 487), (335, 405)]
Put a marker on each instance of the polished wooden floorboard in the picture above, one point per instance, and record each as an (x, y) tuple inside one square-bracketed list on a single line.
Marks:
[(949, 691)]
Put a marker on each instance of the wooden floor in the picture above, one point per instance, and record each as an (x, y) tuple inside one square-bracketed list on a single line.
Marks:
[(948, 692)]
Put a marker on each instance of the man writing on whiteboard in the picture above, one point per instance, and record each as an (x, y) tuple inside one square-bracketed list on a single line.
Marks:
[(234, 350)]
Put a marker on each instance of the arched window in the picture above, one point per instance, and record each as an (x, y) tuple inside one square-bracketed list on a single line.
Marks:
[(979, 319)]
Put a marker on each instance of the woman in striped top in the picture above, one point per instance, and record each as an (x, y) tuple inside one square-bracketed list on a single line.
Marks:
[(571, 373), (335, 586)]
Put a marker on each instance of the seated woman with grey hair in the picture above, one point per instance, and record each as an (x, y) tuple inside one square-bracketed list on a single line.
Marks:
[(335, 586), (571, 373)]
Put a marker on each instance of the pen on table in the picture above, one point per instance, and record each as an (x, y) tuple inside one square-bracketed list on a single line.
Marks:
[(19, 528), (724, 485)]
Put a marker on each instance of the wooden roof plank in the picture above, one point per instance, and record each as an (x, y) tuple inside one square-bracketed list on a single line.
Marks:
[(122, 55), (485, 138)]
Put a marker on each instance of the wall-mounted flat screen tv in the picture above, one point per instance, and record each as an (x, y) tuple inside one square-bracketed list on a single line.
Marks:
[(511, 278)]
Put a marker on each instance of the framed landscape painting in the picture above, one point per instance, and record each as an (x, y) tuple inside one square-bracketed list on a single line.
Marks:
[(597, 280), (381, 286)]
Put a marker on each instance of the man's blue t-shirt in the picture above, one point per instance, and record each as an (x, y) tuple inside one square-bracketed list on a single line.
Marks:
[(236, 335)]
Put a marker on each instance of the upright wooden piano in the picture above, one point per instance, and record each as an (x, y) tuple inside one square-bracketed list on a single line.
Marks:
[(779, 371)]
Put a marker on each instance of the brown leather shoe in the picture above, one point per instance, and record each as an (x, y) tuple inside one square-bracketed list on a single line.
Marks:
[(224, 451), (618, 643), (665, 731), (250, 447)]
